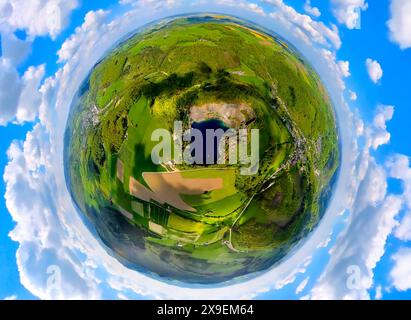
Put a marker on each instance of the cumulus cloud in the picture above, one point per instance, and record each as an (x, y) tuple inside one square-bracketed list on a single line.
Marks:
[(401, 272), (400, 23), (302, 285), (361, 246), (156, 4), (250, 6), (353, 95), (303, 26), (253, 7), (90, 27), (30, 97), (399, 168), (344, 68), (378, 134), (28, 190), (10, 88), (14, 49), (340, 68), (378, 293), (374, 70), (12, 297), (52, 16), (348, 12), (314, 11), (349, 273), (19, 97), (403, 231)]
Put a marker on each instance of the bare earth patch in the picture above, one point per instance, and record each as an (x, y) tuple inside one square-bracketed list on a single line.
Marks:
[(166, 187), (231, 114), (120, 170)]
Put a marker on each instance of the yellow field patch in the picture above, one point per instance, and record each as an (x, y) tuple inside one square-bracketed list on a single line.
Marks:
[(179, 223), (166, 187), (156, 228), (120, 170)]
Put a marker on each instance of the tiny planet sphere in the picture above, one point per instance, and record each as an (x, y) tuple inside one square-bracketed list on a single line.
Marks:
[(231, 210)]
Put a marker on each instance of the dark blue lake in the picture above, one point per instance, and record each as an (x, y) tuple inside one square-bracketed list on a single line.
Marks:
[(209, 157)]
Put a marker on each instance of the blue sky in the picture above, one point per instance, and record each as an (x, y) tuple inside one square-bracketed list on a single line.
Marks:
[(371, 40)]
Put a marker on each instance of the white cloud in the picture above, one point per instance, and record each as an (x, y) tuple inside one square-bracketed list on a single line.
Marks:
[(302, 285), (403, 231), (12, 297), (353, 95), (362, 244), (379, 135), (373, 218), (384, 114), (303, 26), (340, 68), (400, 23), (359, 127), (399, 168), (292, 276), (30, 96), (90, 27), (401, 271), (18, 94), (344, 68), (156, 4), (41, 238), (10, 88), (37, 17), (246, 5), (252, 7), (348, 12), (14, 49), (374, 70), (378, 293), (325, 243), (314, 11), (19, 97)]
